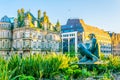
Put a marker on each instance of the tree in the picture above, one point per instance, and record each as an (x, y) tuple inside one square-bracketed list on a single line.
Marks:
[(58, 25)]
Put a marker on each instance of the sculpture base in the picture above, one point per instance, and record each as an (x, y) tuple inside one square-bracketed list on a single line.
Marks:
[(89, 63)]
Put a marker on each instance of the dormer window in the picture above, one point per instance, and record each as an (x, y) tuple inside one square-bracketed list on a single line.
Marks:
[(39, 36), (27, 22)]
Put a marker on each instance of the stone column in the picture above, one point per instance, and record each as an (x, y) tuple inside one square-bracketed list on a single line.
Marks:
[(76, 42), (62, 43), (68, 44)]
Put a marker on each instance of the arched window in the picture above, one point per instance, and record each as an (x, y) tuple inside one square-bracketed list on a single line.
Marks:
[(8, 34), (0, 34), (15, 34), (6, 43), (51, 37), (0, 43), (39, 44), (3, 44), (34, 45)]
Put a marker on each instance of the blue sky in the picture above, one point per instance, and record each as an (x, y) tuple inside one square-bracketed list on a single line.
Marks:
[(104, 14)]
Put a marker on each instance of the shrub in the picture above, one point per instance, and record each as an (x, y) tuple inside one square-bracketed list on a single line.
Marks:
[(39, 66), (55, 66), (5, 73), (114, 63)]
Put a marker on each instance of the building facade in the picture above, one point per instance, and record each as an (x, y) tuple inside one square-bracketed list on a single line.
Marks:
[(6, 25), (32, 40), (5, 37), (83, 30), (27, 34), (115, 38)]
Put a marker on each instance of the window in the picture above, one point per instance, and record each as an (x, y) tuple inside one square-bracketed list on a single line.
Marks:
[(57, 46), (0, 34), (15, 35), (34, 45), (19, 45), (3, 43), (6, 43), (8, 34), (39, 36), (39, 45), (9, 25), (3, 34), (42, 44), (49, 45), (27, 35), (0, 43), (46, 45), (50, 37), (34, 35)]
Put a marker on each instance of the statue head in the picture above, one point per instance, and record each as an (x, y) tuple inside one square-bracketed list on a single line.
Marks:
[(92, 35)]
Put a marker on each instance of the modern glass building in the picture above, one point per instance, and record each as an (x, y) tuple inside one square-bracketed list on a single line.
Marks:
[(82, 30)]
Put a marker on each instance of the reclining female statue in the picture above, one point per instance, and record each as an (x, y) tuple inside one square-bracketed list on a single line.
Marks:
[(89, 50)]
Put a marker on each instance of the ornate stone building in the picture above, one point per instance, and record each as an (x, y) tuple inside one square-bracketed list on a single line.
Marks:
[(6, 25), (115, 39), (34, 40), (29, 34)]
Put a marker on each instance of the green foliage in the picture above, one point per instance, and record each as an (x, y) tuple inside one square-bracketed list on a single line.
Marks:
[(71, 54), (55, 66), (58, 26), (38, 66), (15, 62), (114, 63), (23, 77), (5, 73), (85, 72)]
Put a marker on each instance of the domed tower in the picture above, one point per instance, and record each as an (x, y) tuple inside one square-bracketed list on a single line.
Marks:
[(45, 21)]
